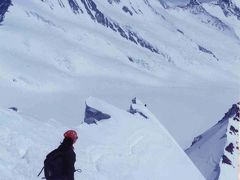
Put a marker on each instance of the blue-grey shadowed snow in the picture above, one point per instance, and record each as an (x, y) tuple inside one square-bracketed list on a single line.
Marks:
[(4, 5), (98, 16), (126, 10), (207, 51), (93, 115), (75, 7), (137, 109), (217, 172)]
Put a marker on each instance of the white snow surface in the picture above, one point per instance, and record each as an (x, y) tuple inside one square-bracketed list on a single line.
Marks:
[(51, 60), (126, 146)]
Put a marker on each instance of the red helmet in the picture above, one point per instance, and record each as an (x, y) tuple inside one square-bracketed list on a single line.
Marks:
[(71, 134)]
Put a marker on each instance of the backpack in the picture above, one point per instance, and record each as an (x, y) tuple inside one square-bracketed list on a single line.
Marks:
[(54, 165)]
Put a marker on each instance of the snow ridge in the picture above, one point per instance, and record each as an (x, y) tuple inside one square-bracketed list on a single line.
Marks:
[(125, 146)]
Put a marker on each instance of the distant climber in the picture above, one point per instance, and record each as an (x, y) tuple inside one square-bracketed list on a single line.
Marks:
[(59, 164)]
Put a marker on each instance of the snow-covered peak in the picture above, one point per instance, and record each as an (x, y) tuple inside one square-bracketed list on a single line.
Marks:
[(230, 7), (216, 151)]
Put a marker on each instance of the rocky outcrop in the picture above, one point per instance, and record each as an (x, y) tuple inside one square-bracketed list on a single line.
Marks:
[(215, 152), (138, 107), (93, 114), (229, 8), (4, 5)]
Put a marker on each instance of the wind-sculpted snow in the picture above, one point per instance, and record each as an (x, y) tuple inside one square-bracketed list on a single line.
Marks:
[(125, 146), (216, 151), (4, 5)]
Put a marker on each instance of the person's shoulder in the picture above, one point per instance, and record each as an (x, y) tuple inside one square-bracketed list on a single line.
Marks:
[(52, 152), (70, 151)]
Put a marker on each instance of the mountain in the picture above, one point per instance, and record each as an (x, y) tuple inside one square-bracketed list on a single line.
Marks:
[(230, 8), (54, 54), (216, 151), (124, 146)]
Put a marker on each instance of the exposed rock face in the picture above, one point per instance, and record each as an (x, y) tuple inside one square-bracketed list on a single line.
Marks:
[(230, 148), (4, 5), (196, 8), (14, 109), (225, 160), (193, 3), (92, 114), (229, 8)]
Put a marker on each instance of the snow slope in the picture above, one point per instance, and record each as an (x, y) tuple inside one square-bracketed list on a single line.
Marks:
[(216, 151), (125, 146), (54, 54)]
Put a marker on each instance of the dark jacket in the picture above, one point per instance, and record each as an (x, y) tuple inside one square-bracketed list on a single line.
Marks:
[(69, 158)]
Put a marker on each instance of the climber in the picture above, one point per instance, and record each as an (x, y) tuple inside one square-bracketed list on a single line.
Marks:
[(59, 164)]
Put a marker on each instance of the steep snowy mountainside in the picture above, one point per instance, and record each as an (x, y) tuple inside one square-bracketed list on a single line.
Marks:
[(227, 11), (125, 146), (216, 152), (116, 26), (64, 51)]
